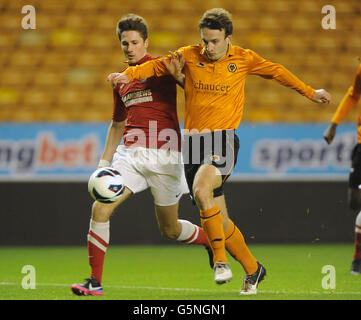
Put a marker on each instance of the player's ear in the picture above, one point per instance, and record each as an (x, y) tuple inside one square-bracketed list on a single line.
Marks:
[(229, 38), (146, 43)]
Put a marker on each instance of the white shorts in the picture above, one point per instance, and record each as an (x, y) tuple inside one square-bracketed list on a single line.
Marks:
[(160, 170)]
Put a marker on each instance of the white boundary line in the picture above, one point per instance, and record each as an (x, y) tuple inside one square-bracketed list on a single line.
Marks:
[(235, 177), (322, 292)]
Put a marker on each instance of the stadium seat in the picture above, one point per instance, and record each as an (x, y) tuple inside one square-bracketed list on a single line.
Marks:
[(8, 95), (54, 6), (101, 40), (271, 23), (65, 38), (112, 6), (308, 8), (105, 22), (281, 7), (92, 58), (10, 21), (30, 39), (293, 43), (51, 78), (73, 20), (71, 96), (101, 98), (7, 40), (326, 44), (241, 7), (353, 45), (116, 59), (261, 42), (302, 24), (345, 7), (152, 8), (24, 58), (4, 56), (85, 5), (80, 77), (15, 77), (36, 96), (58, 58), (49, 21), (243, 25), (2, 4), (165, 40), (355, 26), (181, 8)]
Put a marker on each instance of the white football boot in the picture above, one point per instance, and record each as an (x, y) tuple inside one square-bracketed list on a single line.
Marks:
[(222, 272), (251, 281)]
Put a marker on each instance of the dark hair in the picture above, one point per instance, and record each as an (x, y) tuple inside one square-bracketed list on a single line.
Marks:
[(217, 19), (132, 22)]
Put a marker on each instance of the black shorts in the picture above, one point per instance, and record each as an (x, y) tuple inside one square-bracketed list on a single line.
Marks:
[(355, 173), (219, 148)]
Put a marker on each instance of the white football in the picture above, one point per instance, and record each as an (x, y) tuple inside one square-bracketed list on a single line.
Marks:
[(106, 185)]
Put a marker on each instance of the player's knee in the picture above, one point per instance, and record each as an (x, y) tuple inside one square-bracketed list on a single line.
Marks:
[(101, 211), (202, 195), (169, 232)]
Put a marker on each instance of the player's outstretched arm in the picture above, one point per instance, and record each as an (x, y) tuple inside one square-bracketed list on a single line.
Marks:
[(283, 76), (321, 96), (151, 68), (330, 132)]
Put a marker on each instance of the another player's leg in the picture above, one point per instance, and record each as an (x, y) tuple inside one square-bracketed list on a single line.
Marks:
[(181, 230), (206, 180), (355, 204), (167, 187), (354, 200), (236, 246), (98, 241)]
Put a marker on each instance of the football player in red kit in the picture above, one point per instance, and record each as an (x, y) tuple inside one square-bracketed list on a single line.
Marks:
[(145, 116)]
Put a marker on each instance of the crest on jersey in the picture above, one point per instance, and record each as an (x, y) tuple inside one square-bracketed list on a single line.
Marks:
[(232, 67), (215, 157)]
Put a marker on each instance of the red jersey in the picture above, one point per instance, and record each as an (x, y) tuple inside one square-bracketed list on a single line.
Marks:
[(150, 107)]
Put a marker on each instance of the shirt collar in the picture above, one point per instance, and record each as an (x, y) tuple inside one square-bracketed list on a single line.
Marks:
[(230, 51), (144, 59)]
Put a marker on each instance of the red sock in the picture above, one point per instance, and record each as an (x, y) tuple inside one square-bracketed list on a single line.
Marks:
[(192, 234), (98, 240), (198, 237)]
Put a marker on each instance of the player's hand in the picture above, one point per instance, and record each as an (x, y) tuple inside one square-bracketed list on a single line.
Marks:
[(330, 132), (175, 66), (321, 96), (117, 78)]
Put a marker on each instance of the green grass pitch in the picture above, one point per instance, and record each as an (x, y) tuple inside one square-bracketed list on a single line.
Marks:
[(179, 272)]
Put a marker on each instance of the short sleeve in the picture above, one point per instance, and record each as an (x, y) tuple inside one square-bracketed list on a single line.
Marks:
[(119, 109)]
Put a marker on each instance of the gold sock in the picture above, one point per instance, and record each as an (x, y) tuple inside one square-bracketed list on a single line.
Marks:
[(212, 224), (237, 247)]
